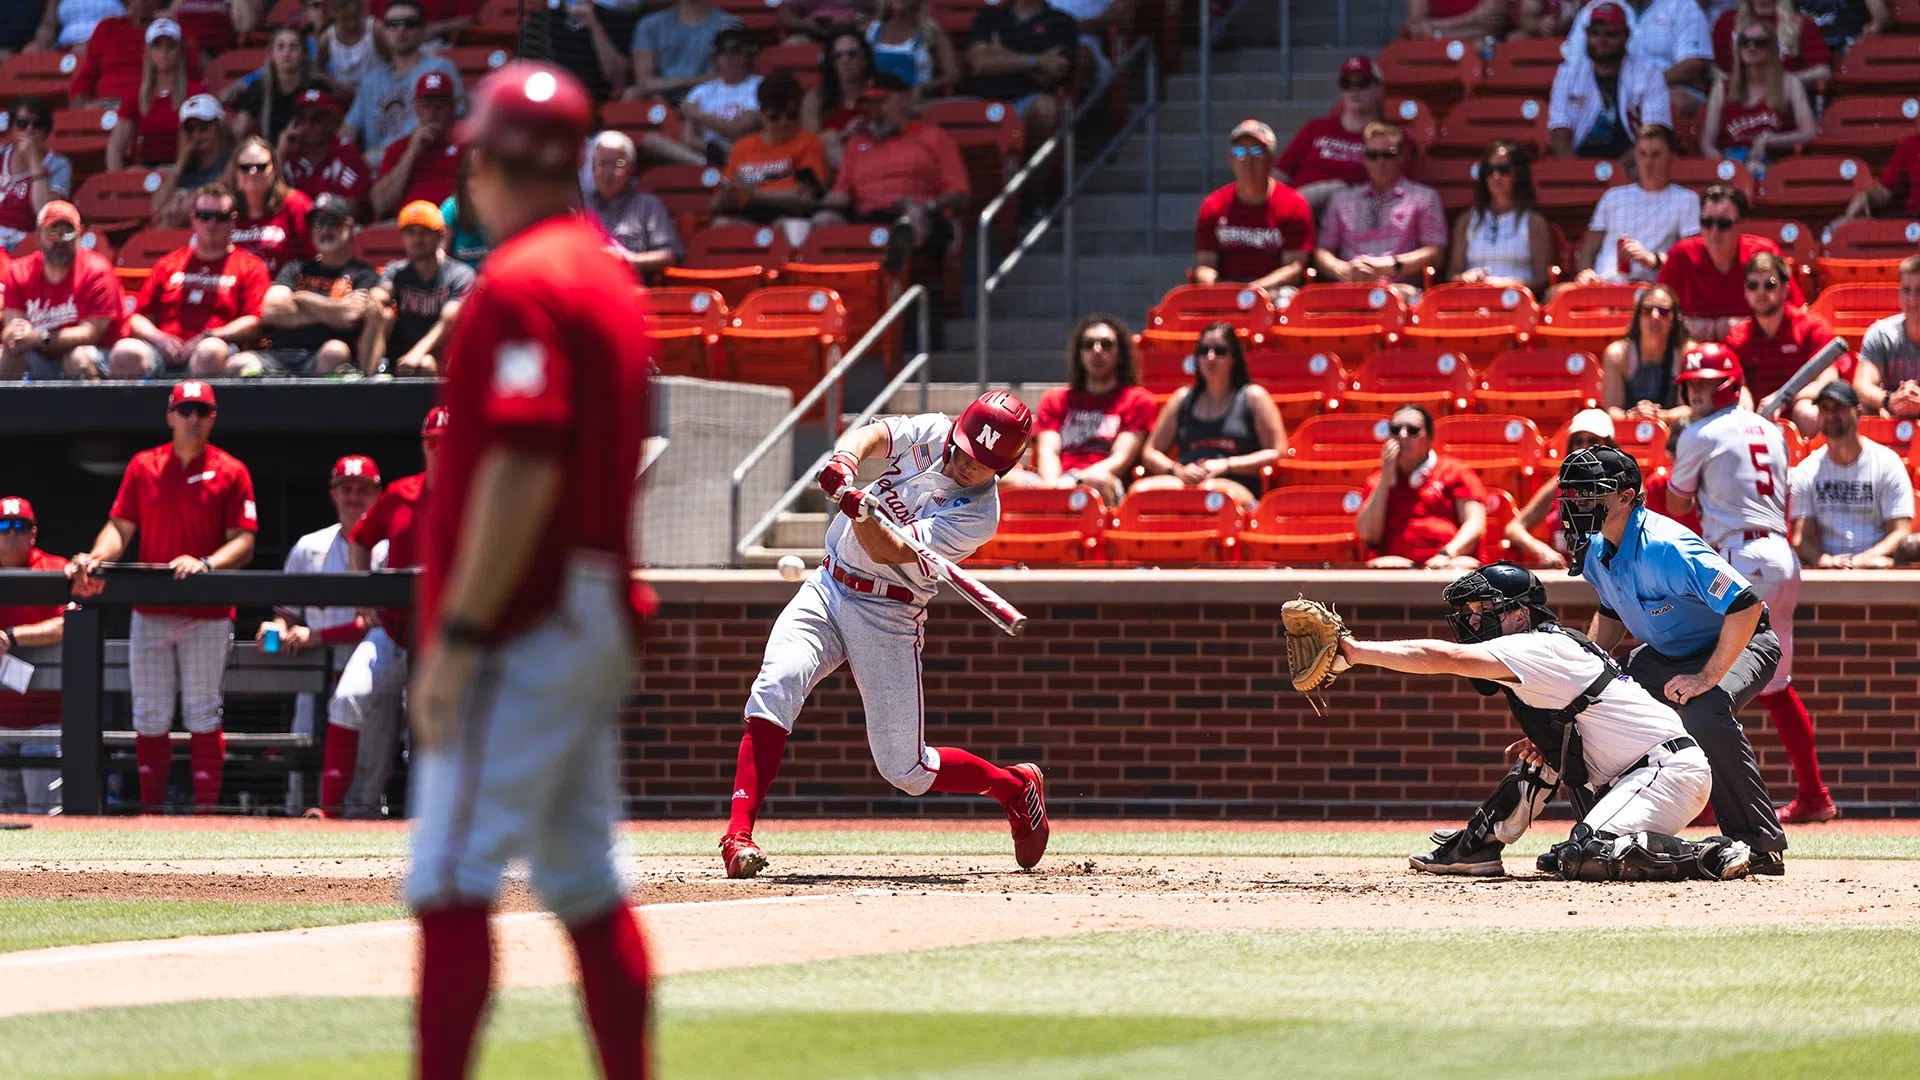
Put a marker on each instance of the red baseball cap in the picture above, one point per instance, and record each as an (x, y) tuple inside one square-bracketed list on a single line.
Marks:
[(1360, 65), (1609, 14), (315, 98), (354, 467), (191, 390), (14, 507), (435, 424), (531, 112), (433, 84)]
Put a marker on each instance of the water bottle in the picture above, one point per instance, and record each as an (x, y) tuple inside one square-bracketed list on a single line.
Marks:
[(270, 641)]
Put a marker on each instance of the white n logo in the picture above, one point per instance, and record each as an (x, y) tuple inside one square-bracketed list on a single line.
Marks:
[(988, 436)]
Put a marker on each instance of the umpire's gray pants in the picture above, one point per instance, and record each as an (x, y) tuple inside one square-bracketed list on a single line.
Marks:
[(1740, 801)]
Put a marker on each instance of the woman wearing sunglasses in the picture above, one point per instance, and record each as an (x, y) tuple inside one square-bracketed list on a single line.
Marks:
[(1090, 431), (1758, 113), (1501, 239), (31, 176), (148, 130), (273, 214), (1219, 432), (1804, 53), (832, 109), (1638, 368)]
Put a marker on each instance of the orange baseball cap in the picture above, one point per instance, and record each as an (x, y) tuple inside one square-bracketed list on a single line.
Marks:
[(424, 214), (59, 210)]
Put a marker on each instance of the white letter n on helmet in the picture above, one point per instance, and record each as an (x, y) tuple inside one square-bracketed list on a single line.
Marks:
[(988, 436)]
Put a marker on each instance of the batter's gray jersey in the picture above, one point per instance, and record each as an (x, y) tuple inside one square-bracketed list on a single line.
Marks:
[(951, 520), (1852, 503), (1735, 465)]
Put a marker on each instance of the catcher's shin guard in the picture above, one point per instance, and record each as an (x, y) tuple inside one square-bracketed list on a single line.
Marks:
[(1523, 793), (1649, 856)]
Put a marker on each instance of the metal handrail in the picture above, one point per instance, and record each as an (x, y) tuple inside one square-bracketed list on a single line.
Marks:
[(1066, 142), (916, 293)]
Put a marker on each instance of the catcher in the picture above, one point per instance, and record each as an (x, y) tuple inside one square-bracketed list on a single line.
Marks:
[(1585, 724)]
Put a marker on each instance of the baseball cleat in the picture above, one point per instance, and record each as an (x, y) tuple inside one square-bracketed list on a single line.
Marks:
[(1483, 861), (1802, 811), (316, 813), (1726, 861), (1028, 816), (743, 857), (1770, 863), (1548, 862)]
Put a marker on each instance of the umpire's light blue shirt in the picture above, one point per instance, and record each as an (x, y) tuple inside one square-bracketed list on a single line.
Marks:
[(1664, 583)]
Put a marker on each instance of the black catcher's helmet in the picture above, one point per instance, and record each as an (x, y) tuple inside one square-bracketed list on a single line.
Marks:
[(1504, 587)]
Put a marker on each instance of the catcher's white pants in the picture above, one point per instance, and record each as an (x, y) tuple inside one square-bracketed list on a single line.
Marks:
[(1770, 564), (826, 625), (1662, 796), (367, 699), (169, 654)]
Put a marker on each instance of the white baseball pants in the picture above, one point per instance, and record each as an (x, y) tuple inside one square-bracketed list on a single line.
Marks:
[(1662, 796), (168, 655), (40, 793), (1770, 564), (367, 699)]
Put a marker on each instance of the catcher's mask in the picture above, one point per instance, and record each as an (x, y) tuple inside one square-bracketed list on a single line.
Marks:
[(1587, 477), (1501, 587)]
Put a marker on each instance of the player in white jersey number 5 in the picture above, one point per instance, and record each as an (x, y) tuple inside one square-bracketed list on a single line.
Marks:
[(866, 607)]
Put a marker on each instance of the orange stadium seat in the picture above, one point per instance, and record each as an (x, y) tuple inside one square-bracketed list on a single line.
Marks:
[(1896, 435), (1340, 317), (117, 202), (1586, 318), (1866, 251), (783, 336), (1437, 72), (803, 60), (1341, 449), (846, 259), (1494, 544), (1698, 174), (1293, 526), (473, 62), (733, 259), (379, 245), (1191, 308), (1177, 526), (1470, 125), (1441, 380), (1505, 450), (81, 134), (1811, 187), (1414, 119), (1525, 66), (1547, 386), (685, 323), (44, 75), (956, 16), (230, 65), (1888, 63), (1302, 384), (1850, 309), (1801, 245), (1163, 370), (638, 119), (1645, 440), (1476, 319), (1044, 527), (1566, 189), (1865, 126)]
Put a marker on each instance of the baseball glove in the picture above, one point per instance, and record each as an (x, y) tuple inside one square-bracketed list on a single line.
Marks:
[(1313, 645)]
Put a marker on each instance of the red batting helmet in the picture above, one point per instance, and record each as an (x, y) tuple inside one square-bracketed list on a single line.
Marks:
[(435, 425), (1714, 361), (994, 430), (529, 111)]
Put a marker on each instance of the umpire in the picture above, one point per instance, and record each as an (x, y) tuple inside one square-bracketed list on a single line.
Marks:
[(1706, 643)]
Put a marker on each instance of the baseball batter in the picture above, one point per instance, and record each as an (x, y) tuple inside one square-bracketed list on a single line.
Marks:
[(188, 505), (866, 607), (1732, 464), (527, 607), (35, 710)]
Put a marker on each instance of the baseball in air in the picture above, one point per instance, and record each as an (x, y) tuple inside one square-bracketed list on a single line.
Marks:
[(791, 568)]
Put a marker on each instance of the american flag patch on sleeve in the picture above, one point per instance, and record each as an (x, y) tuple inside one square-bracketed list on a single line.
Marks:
[(1721, 583), (922, 455)]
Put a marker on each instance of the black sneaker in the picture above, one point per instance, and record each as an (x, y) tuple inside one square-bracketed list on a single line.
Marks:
[(1723, 860), (1483, 861), (1770, 863)]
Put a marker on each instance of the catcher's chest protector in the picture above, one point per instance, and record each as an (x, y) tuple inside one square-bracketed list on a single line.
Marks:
[(1553, 731)]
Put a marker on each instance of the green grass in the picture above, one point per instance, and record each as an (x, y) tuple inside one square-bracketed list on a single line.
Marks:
[(1761, 1004), (41, 924)]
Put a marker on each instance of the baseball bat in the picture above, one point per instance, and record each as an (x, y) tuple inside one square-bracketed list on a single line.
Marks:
[(1808, 372), (997, 610)]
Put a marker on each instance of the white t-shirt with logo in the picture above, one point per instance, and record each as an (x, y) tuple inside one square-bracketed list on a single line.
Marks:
[(717, 97), (941, 514), (1552, 669), (1851, 503)]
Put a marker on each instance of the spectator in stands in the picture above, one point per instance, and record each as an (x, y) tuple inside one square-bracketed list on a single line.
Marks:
[(776, 175), (1795, 37), (1220, 431), (637, 222), (1543, 18), (417, 299), (1842, 21), (31, 176), (1756, 114), (1389, 229), (19, 23), (1021, 52), (148, 130), (1095, 18), (466, 240), (725, 107), (807, 21), (1468, 19), (899, 173), (424, 169), (198, 302), (1673, 35), (591, 38), (1706, 272), (1502, 239), (68, 25), (1851, 500), (909, 44), (29, 627), (383, 108), (349, 47), (1780, 337), (1887, 376), (1090, 431), (1255, 231), (1589, 427), (215, 26), (673, 49), (314, 156), (1421, 509), (273, 213), (63, 304), (1635, 225), (445, 18), (1600, 100), (832, 108), (263, 103), (205, 149), (1638, 368), (316, 309), (112, 67), (1327, 154), (1899, 184)]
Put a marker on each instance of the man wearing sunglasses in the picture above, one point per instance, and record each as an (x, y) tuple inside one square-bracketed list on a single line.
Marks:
[(779, 173), (317, 307), (1635, 225), (1672, 35), (313, 156), (1779, 338), (426, 167), (1601, 100), (382, 111), (1388, 229), (1327, 155), (1421, 509), (27, 627), (1707, 273), (900, 173), (62, 303), (188, 505), (725, 107), (199, 302), (1256, 230), (31, 176)]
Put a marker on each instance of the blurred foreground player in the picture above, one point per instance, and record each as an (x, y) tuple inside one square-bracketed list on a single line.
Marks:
[(24, 626), (527, 611)]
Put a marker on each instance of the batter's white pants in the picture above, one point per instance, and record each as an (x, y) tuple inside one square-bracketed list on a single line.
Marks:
[(40, 791), (1770, 564), (169, 654), (368, 700), (1662, 796)]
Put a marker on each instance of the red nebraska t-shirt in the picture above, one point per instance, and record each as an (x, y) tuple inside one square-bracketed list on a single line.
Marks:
[(1248, 238), (434, 172), (35, 707), (184, 296), (1703, 291), (343, 170), (1088, 423), (280, 237), (1323, 149), (91, 290), (1421, 515), (547, 357), (1770, 361), (392, 519), (184, 510)]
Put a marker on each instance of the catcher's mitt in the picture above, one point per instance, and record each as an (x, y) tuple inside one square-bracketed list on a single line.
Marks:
[(1313, 645)]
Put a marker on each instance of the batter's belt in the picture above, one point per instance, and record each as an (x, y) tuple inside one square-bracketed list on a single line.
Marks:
[(865, 585)]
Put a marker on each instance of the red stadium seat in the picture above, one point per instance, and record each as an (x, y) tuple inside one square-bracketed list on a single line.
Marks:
[(1505, 450), (1906, 14), (1586, 318), (803, 60), (474, 62), (755, 15), (1174, 526), (1865, 251), (1192, 308), (117, 202), (1884, 63), (1525, 66), (1438, 379), (1801, 245), (1163, 370), (44, 75), (846, 259), (1566, 189), (1865, 126), (81, 134), (1302, 384), (1698, 174), (1475, 122), (231, 65), (1414, 119), (1850, 309), (1544, 385), (1494, 544), (1333, 449), (497, 23), (686, 189), (379, 245), (787, 337), (1338, 317), (1476, 319), (1045, 527), (1437, 72), (732, 259), (638, 119), (686, 325), (1812, 187), (1453, 179), (1646, 440), (145, 247), (991, 139), (1292, 526), (956, 16)]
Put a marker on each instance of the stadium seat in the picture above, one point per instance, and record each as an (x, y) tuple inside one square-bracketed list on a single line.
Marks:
[(1505, 450), (1586, 318), (1646, 440), (991, 139), (687, 191), (144, 248), (1566, 189), (1045, 527), (732, 259), (1173, 526), (1866, 251), (1811, 187), (1470, 125), (1906, 14), (1437, 72), (1453, 179), (1895, 435), (956, 16), (686, 324), (1494, 544), (1191, 308), (1884, 63), (755, 15), (1801, 245), (1476, 319), (117, 202), (497, 24), (379, 245), (44, 75), (1698, 174), (1295, 526), (1302, 384), (230, 65), (846, 259), (803, 60), (473, 62), (1333, 450), (1438, 379), (1414, 119), (1525, 67), (1351, 319), (1850, 309), (1163, 370), (1865, 126), (81, 134), (638, 119), (1545, 385), (783, 336)]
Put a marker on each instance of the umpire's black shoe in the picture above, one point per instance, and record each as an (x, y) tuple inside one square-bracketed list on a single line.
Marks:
[(1770, 863), (1448, 858)]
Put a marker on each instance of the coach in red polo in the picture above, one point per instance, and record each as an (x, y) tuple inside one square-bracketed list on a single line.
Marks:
[(901, 172), (35, 710), (1707, 273), (188, 505), (1779, 338)]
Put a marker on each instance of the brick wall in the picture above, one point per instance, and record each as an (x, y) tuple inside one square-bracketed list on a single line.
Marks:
[(1176, 703)]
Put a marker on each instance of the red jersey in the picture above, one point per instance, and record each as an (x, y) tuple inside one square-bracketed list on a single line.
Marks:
[(1088, 423), (1421, 511), (392, 519), (35, 707), (156, 128), (434, 172), (1247, 239), (545, 357), (184, 295), (280, 237), (184, 510), (342, 170), (1705, 292), (1770, 361), (91, 290), (112, 64), (1323, 149), (1657, 501)]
